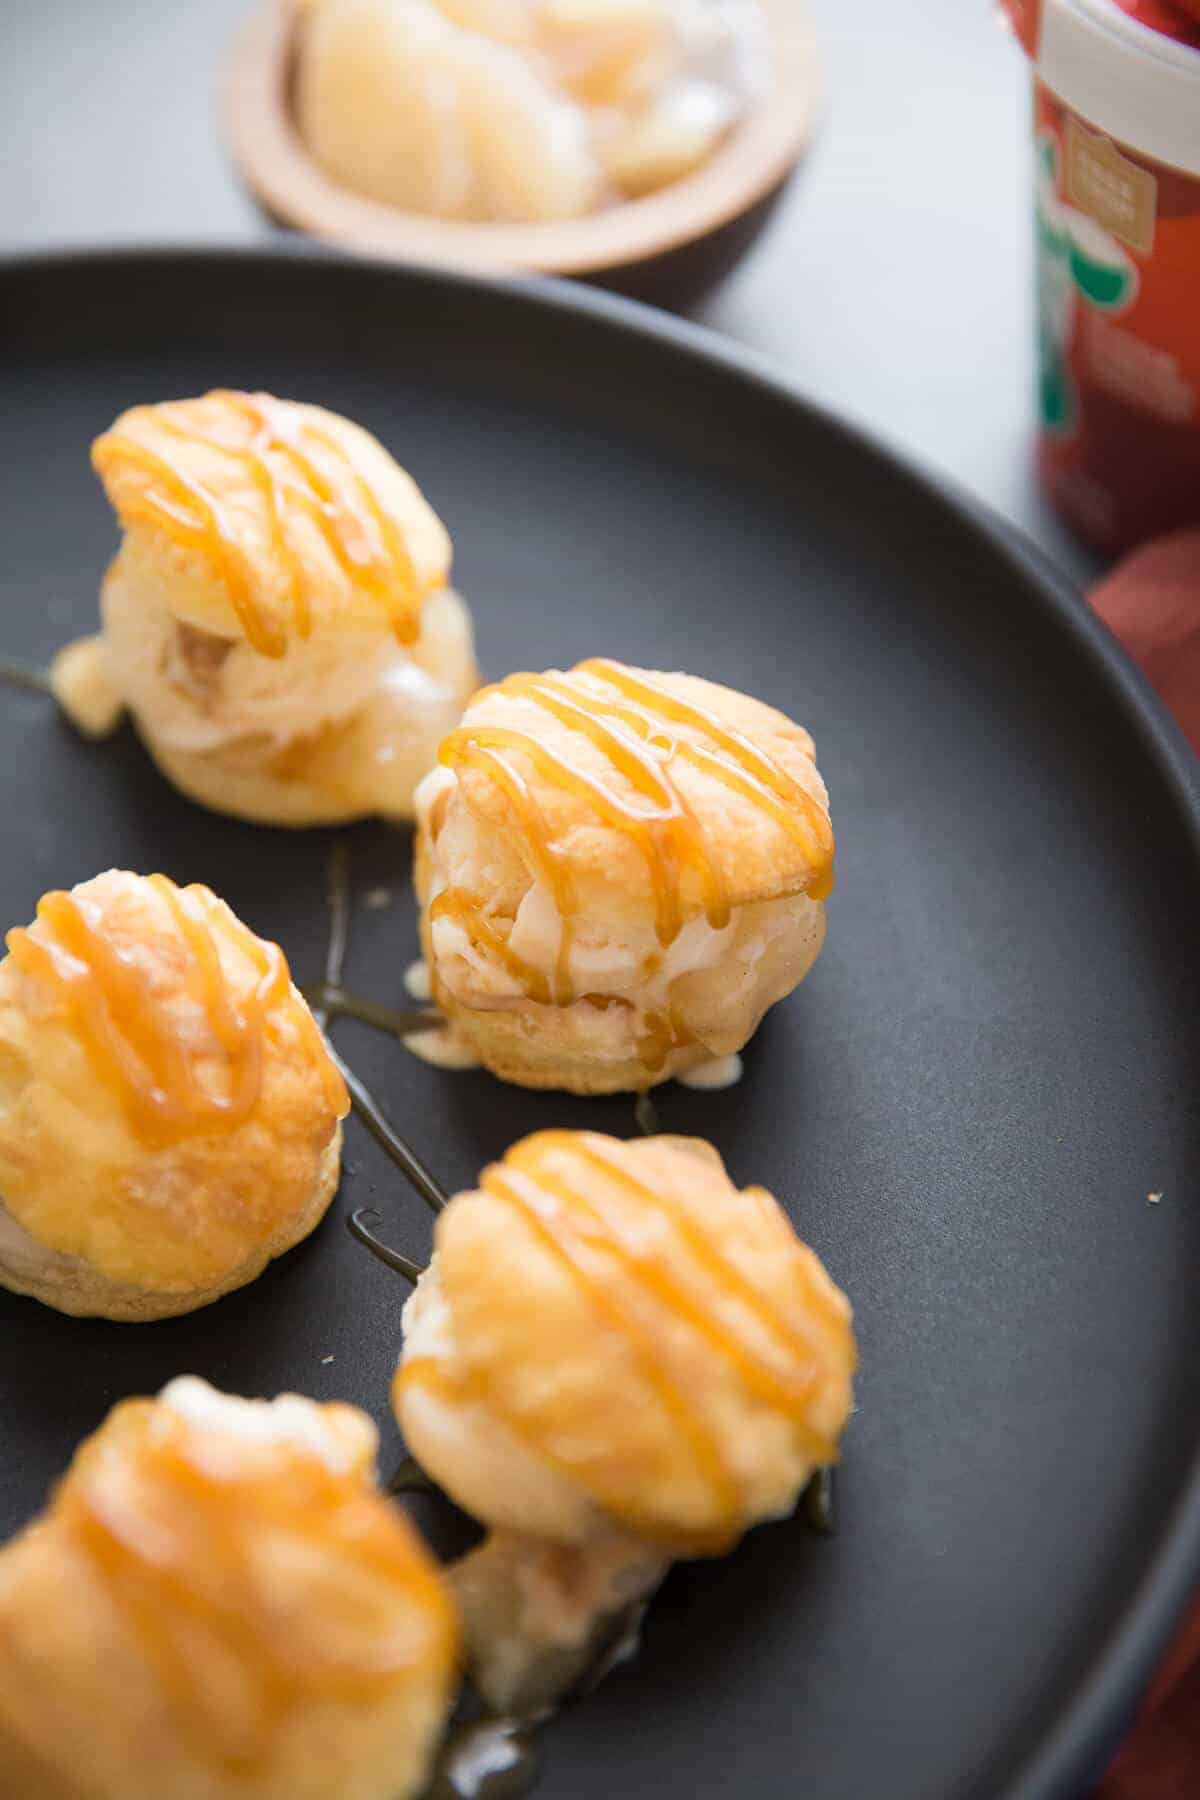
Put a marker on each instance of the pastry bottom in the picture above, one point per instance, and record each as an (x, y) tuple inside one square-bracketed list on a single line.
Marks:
[(72, 1285), (364, 765), (331, 778), (594, 1049)]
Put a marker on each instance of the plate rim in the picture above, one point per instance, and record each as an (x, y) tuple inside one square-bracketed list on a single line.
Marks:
[(1076, 1743)]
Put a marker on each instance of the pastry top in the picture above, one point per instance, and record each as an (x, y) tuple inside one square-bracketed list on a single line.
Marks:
[(167, 1096), (653, 1334), (213, 1578), (271, 520), (630, 788)]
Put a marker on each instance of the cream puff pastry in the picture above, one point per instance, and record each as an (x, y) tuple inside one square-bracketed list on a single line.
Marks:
[(615, 1358), (169, 1114), (619, 871), (277, 618), (218, 1604)]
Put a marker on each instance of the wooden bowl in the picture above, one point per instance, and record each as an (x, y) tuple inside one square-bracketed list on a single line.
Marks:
[(670, 246)]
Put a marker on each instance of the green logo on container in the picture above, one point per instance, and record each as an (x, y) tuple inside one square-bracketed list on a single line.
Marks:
[(1077, 259)]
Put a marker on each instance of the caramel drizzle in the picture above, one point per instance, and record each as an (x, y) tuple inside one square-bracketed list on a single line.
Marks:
[(550, 1227), (149, 1565), (660, 1034), (468, 911), (630, 725), (131, 1038), (553, 866), (737, 761), (788, 1394), (545, 1205), (362, 536), (585, 1235)]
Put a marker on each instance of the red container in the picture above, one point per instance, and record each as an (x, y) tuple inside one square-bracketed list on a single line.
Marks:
[(1117, 124)]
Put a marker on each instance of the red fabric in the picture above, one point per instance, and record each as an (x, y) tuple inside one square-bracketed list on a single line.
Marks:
[(1160, 1760), (1152, 602), (1174, 18), (1191, 7)]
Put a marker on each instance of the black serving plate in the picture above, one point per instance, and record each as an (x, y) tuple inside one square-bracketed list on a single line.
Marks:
[(965, 1108)]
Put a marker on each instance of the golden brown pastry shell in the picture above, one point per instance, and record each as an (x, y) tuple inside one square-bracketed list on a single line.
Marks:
[(666, 1346), (223, 1617), (110, 1222), (194, 578)]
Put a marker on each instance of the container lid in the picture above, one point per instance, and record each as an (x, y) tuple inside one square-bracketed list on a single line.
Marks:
[(1134, 83)]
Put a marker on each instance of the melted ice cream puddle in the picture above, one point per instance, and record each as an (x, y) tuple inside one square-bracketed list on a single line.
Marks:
[(417, 981), (81, 683), (441, 1046), (721, 1072)]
